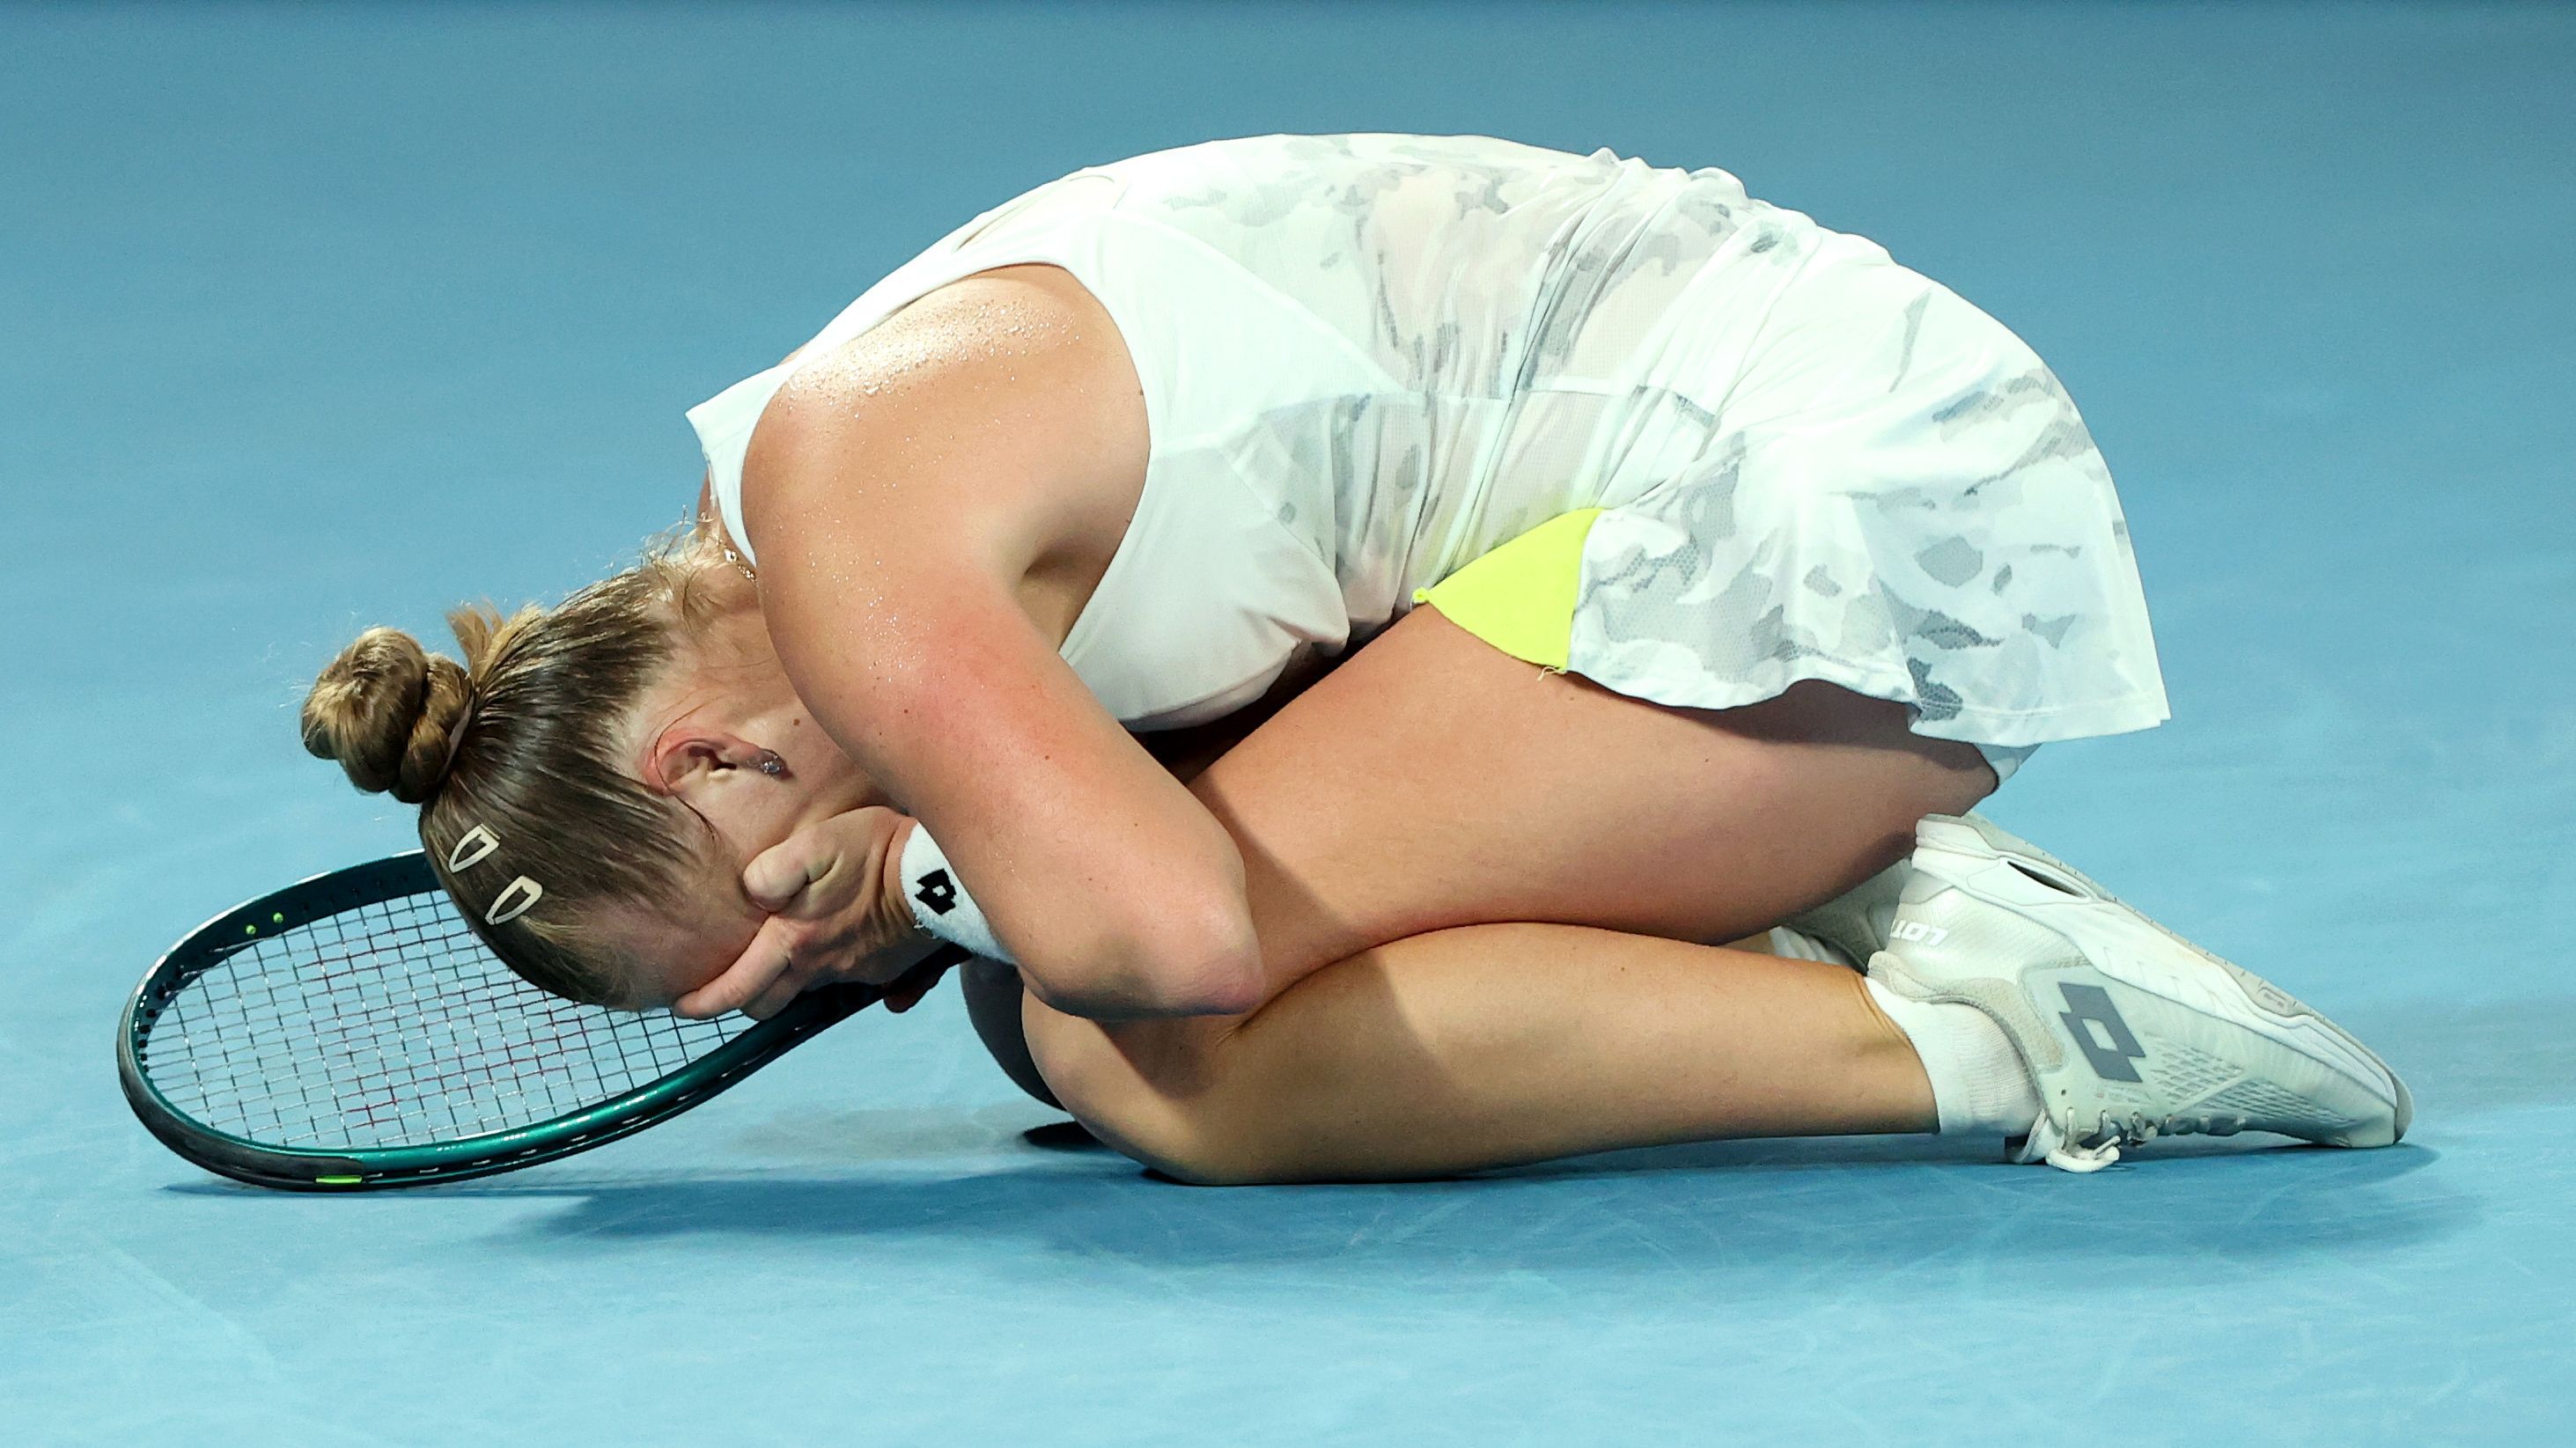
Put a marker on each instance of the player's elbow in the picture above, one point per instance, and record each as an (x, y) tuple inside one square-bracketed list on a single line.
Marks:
[(1195, 959), (1210, 977), (1168, 959)]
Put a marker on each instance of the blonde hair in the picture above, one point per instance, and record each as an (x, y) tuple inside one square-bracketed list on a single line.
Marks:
[(525, 737)]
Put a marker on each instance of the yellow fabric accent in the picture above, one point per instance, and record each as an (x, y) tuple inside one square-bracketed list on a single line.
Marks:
[(1519, 597)]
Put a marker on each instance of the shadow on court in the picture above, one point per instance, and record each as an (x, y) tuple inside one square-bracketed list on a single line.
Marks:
[(2205, 1209)]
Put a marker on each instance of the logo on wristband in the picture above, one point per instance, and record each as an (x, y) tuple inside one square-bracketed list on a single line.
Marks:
[(937, 891)]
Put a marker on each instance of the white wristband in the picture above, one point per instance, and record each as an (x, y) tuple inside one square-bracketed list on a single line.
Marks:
[(940, 904)]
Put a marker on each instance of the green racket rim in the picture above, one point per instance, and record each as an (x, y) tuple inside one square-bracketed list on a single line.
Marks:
[(294, 1168)]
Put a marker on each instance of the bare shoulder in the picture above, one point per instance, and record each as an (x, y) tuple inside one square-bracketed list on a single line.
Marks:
[(1002, 407)]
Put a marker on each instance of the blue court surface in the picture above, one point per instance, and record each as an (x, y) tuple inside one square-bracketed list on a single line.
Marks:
[(314, 317)]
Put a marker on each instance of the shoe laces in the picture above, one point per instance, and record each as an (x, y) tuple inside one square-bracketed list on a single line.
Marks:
[(2047, 1143), (2101, 1147)]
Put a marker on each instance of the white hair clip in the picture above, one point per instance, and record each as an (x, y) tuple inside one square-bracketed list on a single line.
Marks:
[(513, 901), (472, 848)]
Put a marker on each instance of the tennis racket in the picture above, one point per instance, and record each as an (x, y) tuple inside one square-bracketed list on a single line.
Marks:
[(350, 1033)]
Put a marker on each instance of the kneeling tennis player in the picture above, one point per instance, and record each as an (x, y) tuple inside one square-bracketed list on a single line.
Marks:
[(1400, 655)]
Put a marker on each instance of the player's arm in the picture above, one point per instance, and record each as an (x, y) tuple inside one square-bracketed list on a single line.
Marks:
[(893, 529)]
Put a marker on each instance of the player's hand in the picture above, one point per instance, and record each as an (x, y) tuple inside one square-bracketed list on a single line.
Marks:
[(831, 918)]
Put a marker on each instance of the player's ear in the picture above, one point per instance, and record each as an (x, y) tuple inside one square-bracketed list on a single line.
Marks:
[(683, 760)]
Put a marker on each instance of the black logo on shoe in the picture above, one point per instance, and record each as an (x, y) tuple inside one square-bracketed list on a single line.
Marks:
[(940, 894), (2099, 1032)]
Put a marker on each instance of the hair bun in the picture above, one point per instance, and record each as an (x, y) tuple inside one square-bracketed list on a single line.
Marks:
[(388, 712)]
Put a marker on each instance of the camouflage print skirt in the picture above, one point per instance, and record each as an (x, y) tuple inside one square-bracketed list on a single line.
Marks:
[(1897, 497)]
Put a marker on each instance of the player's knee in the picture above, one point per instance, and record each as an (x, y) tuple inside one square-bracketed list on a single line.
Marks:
[(1151, 1093), (1180, 1139)]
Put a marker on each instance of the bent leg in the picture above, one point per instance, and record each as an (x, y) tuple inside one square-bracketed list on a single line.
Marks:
[(1433, 781), (1488, 1046), (1432, 785)]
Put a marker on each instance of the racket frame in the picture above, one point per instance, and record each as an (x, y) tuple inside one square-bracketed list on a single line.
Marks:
[(293, 1168)]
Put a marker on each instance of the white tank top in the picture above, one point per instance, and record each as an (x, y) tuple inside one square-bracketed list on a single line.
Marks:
[(1366, 360)]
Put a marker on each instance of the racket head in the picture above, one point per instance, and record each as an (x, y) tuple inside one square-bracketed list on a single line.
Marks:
[(350, 1033)]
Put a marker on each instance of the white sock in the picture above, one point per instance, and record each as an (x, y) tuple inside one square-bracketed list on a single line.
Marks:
[(1979, 1085)]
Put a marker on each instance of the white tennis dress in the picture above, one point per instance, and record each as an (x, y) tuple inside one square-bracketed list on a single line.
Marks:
[(1761, 450)]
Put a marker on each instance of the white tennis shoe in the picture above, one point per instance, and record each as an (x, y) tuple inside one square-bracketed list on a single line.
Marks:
[(1857, 921), (2130, 1031)]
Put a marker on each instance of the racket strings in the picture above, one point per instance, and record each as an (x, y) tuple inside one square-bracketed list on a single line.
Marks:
[(390, 1025)]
